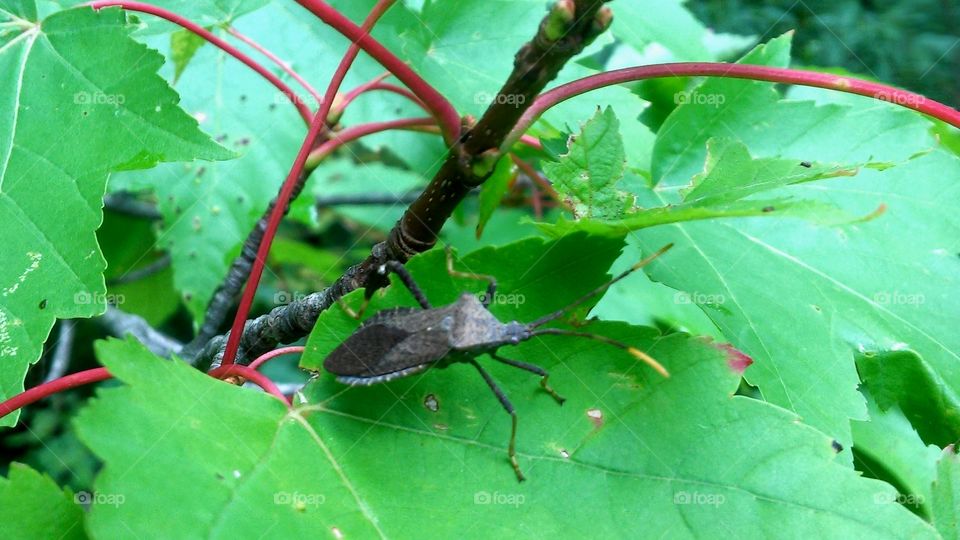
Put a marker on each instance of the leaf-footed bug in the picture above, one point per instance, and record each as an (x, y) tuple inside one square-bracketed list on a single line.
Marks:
[(401, 341)]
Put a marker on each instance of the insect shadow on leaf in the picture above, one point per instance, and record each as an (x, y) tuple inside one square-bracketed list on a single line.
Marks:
[(402, 341)]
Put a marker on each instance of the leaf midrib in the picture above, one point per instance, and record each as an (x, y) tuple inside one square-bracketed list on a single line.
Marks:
[(301, 418)]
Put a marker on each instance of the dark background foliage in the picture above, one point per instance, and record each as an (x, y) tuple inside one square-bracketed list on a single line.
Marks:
[(911, 43)]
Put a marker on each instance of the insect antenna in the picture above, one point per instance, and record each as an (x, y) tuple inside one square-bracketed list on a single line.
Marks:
[(633, 351), (557, 314)]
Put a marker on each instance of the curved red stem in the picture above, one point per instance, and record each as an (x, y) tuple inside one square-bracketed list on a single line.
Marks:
[(41, 391), (207, 35), (531, 141), (441, 109), (355, 132), (266, 357), (276, 60), (849, 85), (55, 386), (535, 176), (251, 375), (286, 190), (350, 96)]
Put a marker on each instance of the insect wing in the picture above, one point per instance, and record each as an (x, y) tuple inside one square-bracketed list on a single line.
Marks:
[(390, 344), (363, 353)]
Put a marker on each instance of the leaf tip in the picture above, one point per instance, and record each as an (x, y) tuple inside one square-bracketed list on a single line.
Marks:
[(737, 360)]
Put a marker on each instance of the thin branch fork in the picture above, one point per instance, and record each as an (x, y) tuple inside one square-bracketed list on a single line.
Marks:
[(569, 27), (297, 176)]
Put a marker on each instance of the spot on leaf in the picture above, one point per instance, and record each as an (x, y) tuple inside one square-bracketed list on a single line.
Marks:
[(431, 403), (596, 417)]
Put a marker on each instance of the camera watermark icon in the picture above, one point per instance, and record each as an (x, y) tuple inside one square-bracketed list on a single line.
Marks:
[(698, 298), (285, 297), (486, 98), (897, 298), (697, 498), (86, 298), (497, 498), (693, 97), (300, 500), (98, 98), (899, 498), (87, 498), (512, 299)]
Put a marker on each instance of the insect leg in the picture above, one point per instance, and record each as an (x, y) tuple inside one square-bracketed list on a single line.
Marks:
[(404, 275), (511, 450), (358, 314), (532, 369), (491, 287)]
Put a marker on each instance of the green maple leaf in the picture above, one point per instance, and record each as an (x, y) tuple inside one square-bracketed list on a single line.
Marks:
[(678, 454), (85, 101), (800, 298), (33, 506)]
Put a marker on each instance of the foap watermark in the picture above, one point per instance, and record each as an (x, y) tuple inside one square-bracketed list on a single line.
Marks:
[(279, 98), (898, 298), (85, 298), (98, 98), (87, 498), (506, 499), (902, 99), (899, 498), (693, 97), (286, 297), (300, 500), (702, 299), (697, 498), (486, 98), (504, 299)]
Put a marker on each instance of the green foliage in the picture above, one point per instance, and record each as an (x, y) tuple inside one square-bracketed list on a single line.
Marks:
[(341, 458), (208, 209), (946, 495), (755, 113), (492, 192), (76, 117), (674, 28), (909, 43), (731, 175), (33, 506), (587, 174), (183, 45), (799, 298), (343, 177), (128, 246), (888, 447), (904, 380), (451, 35), (841, 297)]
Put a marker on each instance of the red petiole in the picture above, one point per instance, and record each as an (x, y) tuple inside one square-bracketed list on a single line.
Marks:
[(207, 35), (849, 85), (266, 357), (286, 191)]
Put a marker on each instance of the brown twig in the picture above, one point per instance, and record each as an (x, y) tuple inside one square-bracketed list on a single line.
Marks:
[(569, 27)]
